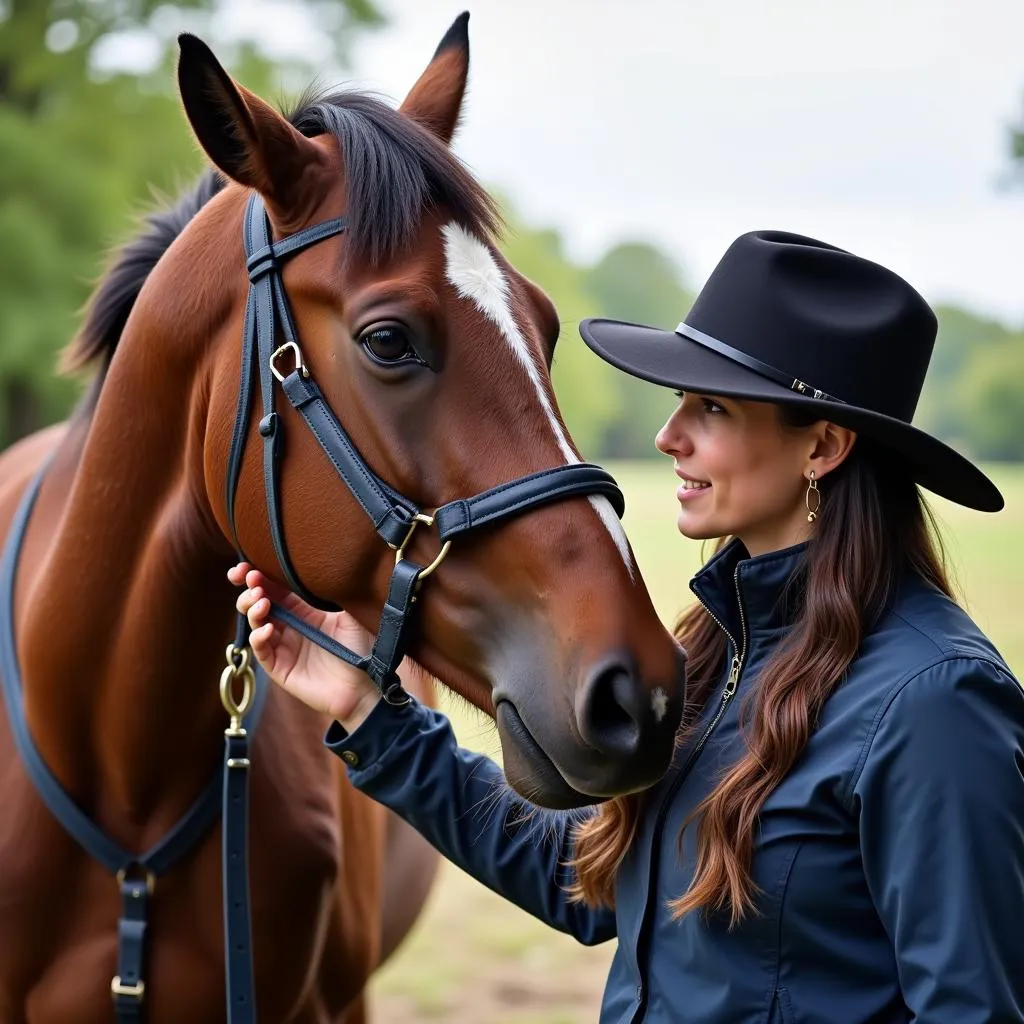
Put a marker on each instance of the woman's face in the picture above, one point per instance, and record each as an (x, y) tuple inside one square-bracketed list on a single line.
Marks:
[(742, 473)]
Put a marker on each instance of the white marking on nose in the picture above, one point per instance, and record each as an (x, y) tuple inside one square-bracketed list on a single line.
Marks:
[(474, 273), (659, 703)]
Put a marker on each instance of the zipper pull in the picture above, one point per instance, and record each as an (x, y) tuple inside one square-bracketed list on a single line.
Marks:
[(733, 680)]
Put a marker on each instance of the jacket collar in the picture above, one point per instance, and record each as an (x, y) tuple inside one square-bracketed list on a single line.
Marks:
[(769, 587)]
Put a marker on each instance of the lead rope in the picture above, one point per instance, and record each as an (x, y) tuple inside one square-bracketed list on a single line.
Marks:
[(241, 1001)]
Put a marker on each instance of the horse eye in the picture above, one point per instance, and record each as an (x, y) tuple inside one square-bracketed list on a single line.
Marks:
[(388, 344)]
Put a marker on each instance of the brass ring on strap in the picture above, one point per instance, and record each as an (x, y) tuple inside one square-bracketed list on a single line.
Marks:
[(427, 520), (437, 561), (148, 878), (239, 666), (288, 346)]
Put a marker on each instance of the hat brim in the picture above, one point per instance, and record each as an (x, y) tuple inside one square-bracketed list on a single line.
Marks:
[(672, 360)]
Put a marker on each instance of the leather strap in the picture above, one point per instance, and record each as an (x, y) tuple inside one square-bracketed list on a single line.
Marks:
[(128, 866), (240, 431), (128, 987), (241, 1000), (390, 519), (269, 257), (266, 310), (527, 492), (389, 647), (382, 662), (262, 297), (328, 643)]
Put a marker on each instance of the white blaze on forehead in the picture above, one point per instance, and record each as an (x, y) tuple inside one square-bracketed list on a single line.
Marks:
[(474, 274)]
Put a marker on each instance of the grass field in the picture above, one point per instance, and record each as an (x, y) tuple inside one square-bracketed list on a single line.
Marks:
[(475, 958)]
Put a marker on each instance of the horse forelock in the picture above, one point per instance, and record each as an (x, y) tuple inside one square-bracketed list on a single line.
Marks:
[(395, 171)]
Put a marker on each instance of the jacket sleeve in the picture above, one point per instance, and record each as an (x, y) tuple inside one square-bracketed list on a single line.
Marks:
[(941, 805), (407, 759)]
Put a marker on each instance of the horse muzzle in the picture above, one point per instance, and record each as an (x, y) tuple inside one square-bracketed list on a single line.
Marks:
[(618, 738)]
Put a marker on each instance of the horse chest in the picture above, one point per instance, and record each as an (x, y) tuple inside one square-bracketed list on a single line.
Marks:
[(58, 908)]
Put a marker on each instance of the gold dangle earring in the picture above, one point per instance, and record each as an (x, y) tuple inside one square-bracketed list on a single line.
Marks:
[(812, 489)]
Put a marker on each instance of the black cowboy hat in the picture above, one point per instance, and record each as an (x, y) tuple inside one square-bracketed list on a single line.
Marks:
[(798, 322)]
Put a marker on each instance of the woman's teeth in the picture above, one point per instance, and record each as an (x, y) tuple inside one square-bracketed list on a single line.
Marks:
[(692, 485)]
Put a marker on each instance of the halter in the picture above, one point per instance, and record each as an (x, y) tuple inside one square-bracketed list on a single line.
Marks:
[(268, 322)]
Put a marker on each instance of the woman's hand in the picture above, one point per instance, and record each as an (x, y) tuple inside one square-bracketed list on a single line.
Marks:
[(317, 678)]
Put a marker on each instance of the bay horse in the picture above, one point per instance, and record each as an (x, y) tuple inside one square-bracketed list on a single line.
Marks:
[(435, 354)]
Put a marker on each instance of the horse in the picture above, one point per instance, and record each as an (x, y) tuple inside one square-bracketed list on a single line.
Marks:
[(435, 354)]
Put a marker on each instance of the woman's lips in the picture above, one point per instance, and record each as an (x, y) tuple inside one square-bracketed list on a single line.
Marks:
[(685, 493), (691, 487)]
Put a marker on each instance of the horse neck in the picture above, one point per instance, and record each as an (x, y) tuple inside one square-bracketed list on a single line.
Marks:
[(123, 639)]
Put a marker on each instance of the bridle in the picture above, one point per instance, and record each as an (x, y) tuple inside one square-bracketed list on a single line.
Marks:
[(395, 518), (268, 318), (270, 335)]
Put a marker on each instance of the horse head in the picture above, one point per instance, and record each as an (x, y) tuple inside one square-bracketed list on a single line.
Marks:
[(434, 354)]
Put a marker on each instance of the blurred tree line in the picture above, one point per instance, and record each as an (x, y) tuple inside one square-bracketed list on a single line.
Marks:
[(86, 149)]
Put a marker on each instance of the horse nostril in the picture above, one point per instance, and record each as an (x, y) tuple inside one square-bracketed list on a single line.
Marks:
[(609, 710)]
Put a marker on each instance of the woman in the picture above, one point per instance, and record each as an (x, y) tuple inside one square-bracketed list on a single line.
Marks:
[(841, 836)]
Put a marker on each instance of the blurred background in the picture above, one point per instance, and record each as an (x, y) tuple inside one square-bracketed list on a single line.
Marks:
[(629, 144)]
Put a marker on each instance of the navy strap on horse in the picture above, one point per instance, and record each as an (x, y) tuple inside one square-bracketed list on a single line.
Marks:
[(268, 318), (136, 874)]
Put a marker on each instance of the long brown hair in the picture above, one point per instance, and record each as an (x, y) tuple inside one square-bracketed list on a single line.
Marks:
[(872, 527)]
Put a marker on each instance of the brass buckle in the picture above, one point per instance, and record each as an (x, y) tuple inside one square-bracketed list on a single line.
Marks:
[(297, 355), (118, 988), (422, 517), (150, 879), (238, 667)]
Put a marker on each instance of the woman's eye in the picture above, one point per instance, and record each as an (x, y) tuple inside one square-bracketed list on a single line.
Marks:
[(706, 404), (388, 345)]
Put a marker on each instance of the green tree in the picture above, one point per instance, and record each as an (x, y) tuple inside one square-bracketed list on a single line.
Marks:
[(587, 394), (1016, 145), (82, 152), (637, 282), (947, 407), (990, 398)]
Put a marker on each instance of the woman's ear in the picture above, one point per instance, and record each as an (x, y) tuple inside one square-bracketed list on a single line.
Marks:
[(832, 446)]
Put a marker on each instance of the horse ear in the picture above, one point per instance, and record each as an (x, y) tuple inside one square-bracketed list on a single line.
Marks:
[(436, 98), (245, 137)]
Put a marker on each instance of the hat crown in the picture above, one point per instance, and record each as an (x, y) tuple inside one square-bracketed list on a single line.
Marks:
[(830, 320)]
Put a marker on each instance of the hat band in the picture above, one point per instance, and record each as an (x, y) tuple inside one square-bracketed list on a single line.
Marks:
[(760, 368)]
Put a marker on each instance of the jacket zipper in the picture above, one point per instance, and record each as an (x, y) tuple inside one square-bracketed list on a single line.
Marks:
[(731, 683)]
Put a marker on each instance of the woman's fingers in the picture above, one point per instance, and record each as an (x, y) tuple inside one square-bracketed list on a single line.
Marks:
[(262, 642), (247, 598), (236, 574), (255, 606), (259, 613), (244, 575), (284, 597)]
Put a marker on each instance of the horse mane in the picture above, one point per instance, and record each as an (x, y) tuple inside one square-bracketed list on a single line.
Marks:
[(396, 170), (113, 299)]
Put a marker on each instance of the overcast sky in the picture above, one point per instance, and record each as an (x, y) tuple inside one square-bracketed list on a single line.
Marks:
[(876, 125)]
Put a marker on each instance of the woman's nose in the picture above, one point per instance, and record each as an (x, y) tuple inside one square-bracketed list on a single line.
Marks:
[(672, 438)]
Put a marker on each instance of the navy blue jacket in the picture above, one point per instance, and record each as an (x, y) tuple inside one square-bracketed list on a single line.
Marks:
[(890, 861)]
